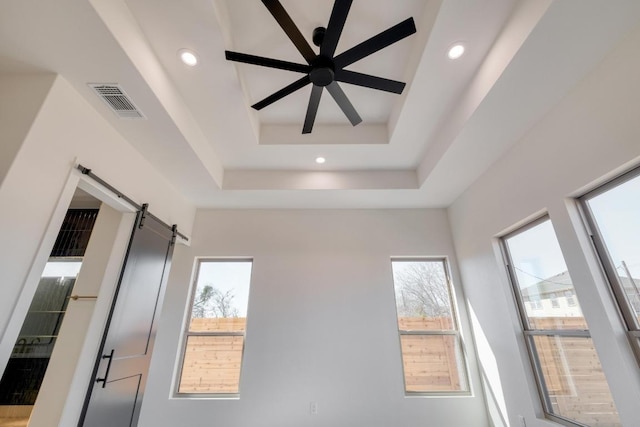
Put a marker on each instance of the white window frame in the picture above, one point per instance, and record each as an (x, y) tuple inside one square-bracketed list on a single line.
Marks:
[(186, 333), (632, 326), (530, 333), (461, 361)]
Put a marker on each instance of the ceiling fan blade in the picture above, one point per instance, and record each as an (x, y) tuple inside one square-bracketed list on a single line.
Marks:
[(343, 102), (298, 84), (266, 62), (312, 110), (335, 26), (372, 82), (290, 28), (376, 43)]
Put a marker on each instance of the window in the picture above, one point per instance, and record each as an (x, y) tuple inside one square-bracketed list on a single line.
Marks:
[(429, 338), (572, 385), (613, 217), (536, 304), (214, 339)]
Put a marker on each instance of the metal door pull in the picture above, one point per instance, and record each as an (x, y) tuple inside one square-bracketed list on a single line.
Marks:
[(106, 374)]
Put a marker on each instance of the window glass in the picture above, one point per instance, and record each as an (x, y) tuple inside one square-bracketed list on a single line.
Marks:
[(429, 338), (570, 378), (212, 364), (617, 215), (215, 337), (422, 295), (573, 380), (221, 297), (542, 275), (431, 363)]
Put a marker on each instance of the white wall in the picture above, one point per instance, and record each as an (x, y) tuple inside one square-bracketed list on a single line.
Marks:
[(22, 97), (592, 134), (66, 128), (321, 323)]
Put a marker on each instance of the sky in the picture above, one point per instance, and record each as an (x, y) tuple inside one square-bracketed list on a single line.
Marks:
[(536, 254), (536, 251), (400, 268), (234, 276), (617, 213)]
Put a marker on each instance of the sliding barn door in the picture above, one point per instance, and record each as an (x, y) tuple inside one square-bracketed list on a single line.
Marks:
[(120, 375)]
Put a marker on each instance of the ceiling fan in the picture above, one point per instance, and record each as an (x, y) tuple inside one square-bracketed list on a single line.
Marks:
[(325, 69)]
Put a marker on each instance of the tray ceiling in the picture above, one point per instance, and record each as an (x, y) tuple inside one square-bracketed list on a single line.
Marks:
[(418, 149)]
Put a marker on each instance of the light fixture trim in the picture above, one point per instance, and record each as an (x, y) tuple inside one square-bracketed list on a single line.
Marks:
[(188, 57), (320, 160), (456, 51)]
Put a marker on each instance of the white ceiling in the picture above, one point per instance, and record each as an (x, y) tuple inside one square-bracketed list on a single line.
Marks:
[(418, 149)]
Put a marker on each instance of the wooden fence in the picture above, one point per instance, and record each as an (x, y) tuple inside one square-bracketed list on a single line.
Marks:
[(573, 375), (212, 363), (572, 372)]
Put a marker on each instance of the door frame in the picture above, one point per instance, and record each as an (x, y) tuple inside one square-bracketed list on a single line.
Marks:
[(70, 412)]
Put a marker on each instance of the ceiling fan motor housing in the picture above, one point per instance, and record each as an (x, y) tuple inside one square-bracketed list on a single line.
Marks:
[(322, 72)]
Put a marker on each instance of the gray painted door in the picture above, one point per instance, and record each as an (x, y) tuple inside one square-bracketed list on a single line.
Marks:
[(115, 395)]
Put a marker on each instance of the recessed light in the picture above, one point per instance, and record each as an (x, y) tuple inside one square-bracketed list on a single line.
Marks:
[(456, 51), (320, 160), (188, 57)]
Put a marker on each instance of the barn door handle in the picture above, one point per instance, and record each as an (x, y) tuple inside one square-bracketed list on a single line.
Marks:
[(106, 374)]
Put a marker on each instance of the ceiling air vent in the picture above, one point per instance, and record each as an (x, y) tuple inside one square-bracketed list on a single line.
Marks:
[(116, 98)]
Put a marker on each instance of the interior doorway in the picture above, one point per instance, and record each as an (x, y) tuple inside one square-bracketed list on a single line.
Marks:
[(23, 376), (126, 243)]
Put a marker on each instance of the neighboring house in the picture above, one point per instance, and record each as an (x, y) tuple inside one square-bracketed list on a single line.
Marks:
[(556, 296)]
